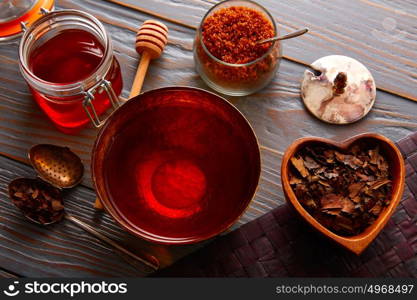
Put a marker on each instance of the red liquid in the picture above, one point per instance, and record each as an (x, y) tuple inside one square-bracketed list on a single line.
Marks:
[(70, 57), (180, 171)]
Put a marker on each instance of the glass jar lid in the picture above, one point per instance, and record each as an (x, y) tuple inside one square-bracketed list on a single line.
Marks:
[(14, 13), (13, 9)]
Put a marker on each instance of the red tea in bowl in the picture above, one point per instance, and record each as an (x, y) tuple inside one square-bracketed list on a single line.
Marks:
[(183, 166)]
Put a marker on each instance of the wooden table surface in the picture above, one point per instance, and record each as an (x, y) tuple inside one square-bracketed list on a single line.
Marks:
[(381, 34)]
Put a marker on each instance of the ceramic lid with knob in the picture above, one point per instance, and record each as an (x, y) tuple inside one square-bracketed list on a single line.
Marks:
[(14, 13), (338, 89)]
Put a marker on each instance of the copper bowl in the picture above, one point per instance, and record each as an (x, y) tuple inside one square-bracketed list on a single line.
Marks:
[(358, 243), (176, 165)]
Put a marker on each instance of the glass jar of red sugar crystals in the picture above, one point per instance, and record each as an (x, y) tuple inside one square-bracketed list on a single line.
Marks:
[(226, 52), (67, 59)]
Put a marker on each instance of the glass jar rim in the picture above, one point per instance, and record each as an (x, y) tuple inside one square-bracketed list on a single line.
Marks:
[(89, 81), (270, 49)]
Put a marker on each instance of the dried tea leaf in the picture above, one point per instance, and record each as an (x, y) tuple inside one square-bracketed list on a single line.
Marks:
[(379, 183), (364, 177), (57, 205), (38, 200), (329, 154), (344, 190), (310, 163), (355, 188), (310, 203), (326, 184), (344, 223), (374, 155), (331, 175), (349, 160), (333, 212), (339, 156), (18, 194), (294, 180), (348, 206), (331, 201), (298, 163), (376, 209)]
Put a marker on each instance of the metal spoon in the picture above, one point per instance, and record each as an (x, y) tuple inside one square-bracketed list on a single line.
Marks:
[(58, 168), (284, 37)]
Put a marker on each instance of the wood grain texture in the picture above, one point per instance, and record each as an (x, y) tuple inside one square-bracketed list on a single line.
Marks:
[(381, 34), (276, 113), (63, 249), (6, 274), (23, 124)]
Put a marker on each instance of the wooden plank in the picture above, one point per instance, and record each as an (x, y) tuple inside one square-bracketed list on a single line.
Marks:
[(381, 34), (7, 274), (64, 249), (276, 113)]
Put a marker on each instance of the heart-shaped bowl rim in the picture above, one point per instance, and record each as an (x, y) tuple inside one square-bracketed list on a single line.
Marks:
[(357, 243)]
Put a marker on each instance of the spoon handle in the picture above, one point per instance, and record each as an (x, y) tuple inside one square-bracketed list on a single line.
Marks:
[(154, 264), (285, 37)]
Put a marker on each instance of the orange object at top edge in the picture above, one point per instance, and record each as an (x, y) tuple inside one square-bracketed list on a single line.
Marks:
[(13, 28)]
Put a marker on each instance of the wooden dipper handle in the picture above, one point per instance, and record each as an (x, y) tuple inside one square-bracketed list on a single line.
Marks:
[(151, 39)]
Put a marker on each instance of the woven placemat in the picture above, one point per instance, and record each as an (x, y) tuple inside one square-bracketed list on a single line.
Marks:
[(279, 244)]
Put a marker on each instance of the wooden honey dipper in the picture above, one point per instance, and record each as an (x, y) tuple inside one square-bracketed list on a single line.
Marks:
[(151, 39)]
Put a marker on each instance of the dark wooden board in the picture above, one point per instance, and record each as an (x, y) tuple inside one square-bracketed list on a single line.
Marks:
[(6, 274), (22, 124), (381, 34), (63, 249), (276, 114)]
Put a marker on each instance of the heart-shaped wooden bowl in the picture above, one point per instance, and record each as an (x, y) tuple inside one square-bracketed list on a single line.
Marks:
[(357, 243)]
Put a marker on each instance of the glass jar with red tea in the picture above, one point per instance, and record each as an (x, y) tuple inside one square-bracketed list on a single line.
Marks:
[(226, 52), (67, 59)]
